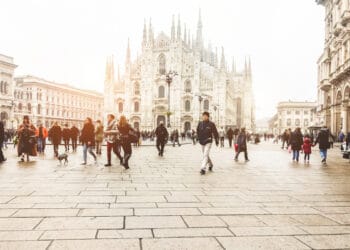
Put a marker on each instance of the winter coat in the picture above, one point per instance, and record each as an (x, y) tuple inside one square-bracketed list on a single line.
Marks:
[(66, 134), (99, 133), (55, 134), (161, 133), (229, 133), (242, 141), (296, 140), (205, 132), (323, 139), (74, 133), (44, 132), (307, 146), (87, 136)]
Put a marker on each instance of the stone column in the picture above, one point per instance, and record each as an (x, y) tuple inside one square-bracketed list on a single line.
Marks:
[(344, 115)]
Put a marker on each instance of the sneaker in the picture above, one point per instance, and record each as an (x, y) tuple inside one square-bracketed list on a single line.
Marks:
[(323, 160), (202, 172), (236, 159), (246, 160), (108, 165), (211, 168), (83, 163)]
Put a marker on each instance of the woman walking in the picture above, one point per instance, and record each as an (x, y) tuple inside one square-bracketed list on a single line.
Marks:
[(26, 143), (99, 136), (296, 142), (124, 130), (87, 139)]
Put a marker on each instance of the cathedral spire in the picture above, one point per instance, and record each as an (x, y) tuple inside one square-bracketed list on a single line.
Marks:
[(222, 62), (173, 29), (112, 69), (150, 33), (108, 70), (249, 66), (185, 34), (216, 57), (189, 38), (199, 41), (128, 54), (118, 73), (179, 28), (144, 41), (233, 65)]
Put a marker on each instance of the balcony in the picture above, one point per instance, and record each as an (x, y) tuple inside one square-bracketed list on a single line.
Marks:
[(160, 102), (325, 85)]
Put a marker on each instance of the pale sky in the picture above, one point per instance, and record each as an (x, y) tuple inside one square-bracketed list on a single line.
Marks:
[(68, 40)]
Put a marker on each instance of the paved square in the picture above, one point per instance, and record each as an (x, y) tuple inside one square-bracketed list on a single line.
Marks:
[(164, 203)]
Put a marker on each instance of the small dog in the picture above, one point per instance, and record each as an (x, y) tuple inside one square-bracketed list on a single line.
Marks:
[(62, 157)]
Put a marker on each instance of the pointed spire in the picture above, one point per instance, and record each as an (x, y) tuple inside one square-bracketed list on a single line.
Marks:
[(173, 29), (249, 66), (189, 38), (108, 69), (185, 34), (118, 73), (222, 62), (199, 41), (128, 54), (216, 57), (112, 69), (233, 65), (144, 41), (178, 28), (150, 33), (245, 66)]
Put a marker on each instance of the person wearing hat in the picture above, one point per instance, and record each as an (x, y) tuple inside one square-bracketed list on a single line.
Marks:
[(27, 142), (162, 136), (207, 132)]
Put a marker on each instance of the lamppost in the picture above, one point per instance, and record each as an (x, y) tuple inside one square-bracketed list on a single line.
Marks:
[(169, 79)]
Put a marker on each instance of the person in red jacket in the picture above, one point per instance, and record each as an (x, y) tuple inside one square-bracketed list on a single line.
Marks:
[(307, 144)]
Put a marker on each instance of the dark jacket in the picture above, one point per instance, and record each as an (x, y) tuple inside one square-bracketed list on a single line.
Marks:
[(296, 140), (55, 134), (2, 132), (124, 133), (205, 132), (229, 133), (88, 135), (66, 134), (242, 141), (161, 133), (74, 133), (323, 139)]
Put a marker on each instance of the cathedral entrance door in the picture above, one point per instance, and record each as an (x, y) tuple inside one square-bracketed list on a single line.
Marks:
[(187, 126), (160, 118)]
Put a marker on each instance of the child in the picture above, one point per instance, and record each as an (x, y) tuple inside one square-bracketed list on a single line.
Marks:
[(307, 148)]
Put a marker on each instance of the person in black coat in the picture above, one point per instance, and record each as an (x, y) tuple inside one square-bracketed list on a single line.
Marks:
[(162, 137), (66, 137), (2, 137), (242, 145), (87, 139), (55, 136), (296, 142), (124, 130), (74, 134), (323, 142), (229, 134), (206, 132)]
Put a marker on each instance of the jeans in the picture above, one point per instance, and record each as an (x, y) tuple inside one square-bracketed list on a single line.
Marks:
[(245, 154), (66, 144), (74, 144), (323, 153), (40, 145), (230, 142), (160, 145), (87, 148), (206, 159), (55, 149), (306, 157), (222, 141), (296, 155), (116, 149), (98, 147)]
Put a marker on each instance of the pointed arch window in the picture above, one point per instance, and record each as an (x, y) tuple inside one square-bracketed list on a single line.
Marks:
[(188, 87), (120, 107), (136, 107), (161, 92), (162, 62), (137, 88), (206, 105), (187, 106)]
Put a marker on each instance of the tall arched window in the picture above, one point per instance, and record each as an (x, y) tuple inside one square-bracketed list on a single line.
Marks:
[(161, 92), (6, 88), (297, 122), (120, 107), (29, 107), (188, 87), (162, 63), (206, 105), (39, 109), (20, 107), (187, 106), (2, 87), (137, 88), (136, 107)]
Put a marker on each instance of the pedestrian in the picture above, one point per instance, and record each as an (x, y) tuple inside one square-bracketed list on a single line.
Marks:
[(230, 136), (242, 145), (87, 139), (162, 137), (331, 140), (207, 132), (55, 136), (66, 137), (138, 135), (99, 137), (194, 136), (175, 137), (113, 140), (74, 135), (27, 140), (307, 148), (284, 137), (127, 135), (341, 136), (222, 136), (323, 142), (41, 135), (296, 142), (2, 137)]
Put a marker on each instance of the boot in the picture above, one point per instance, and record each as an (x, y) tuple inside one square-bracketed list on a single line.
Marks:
[(126, 161)]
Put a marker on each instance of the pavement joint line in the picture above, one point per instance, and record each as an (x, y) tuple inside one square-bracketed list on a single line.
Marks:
[(35, 227), (49, 245)]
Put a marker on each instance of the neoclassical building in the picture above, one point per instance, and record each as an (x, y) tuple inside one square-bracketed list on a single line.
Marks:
[(7, 68), (203, 82), (334, 67), (46, 102)]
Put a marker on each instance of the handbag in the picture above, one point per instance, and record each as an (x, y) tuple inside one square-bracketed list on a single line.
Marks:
[(290, 149), (236, 147), (132, 136)]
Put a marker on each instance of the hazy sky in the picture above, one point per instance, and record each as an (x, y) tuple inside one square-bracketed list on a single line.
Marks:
[(68, 40)]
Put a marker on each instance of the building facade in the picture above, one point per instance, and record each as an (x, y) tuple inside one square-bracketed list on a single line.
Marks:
[(334, 67), (291, 115), (203, 83), (7, 68), (46, 102)]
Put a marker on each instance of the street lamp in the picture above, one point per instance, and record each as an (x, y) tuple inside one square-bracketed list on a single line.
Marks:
[(169, 79)]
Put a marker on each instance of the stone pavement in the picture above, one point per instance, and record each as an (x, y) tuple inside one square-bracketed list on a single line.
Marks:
[(163, 203)]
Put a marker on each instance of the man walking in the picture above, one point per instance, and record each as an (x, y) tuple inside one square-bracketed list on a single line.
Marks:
[(113, 140), (175, 137), (242, 145), (206, 130), (230, 136), (323, 142), (162, 136), (222, 137), (41, 134), (74, 134), (66, 137)]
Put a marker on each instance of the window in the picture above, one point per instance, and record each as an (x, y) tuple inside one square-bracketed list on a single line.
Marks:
[(39, 109), (162, 64), (297, 112), (29, 107), (289, 122), (120, 107), (297, 122), (188, 87), (137, 88), (161, 92), (306, 112), (206, 105), (20, 107), (187, 106), (288, 112), (306, 122), (136, 107)]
